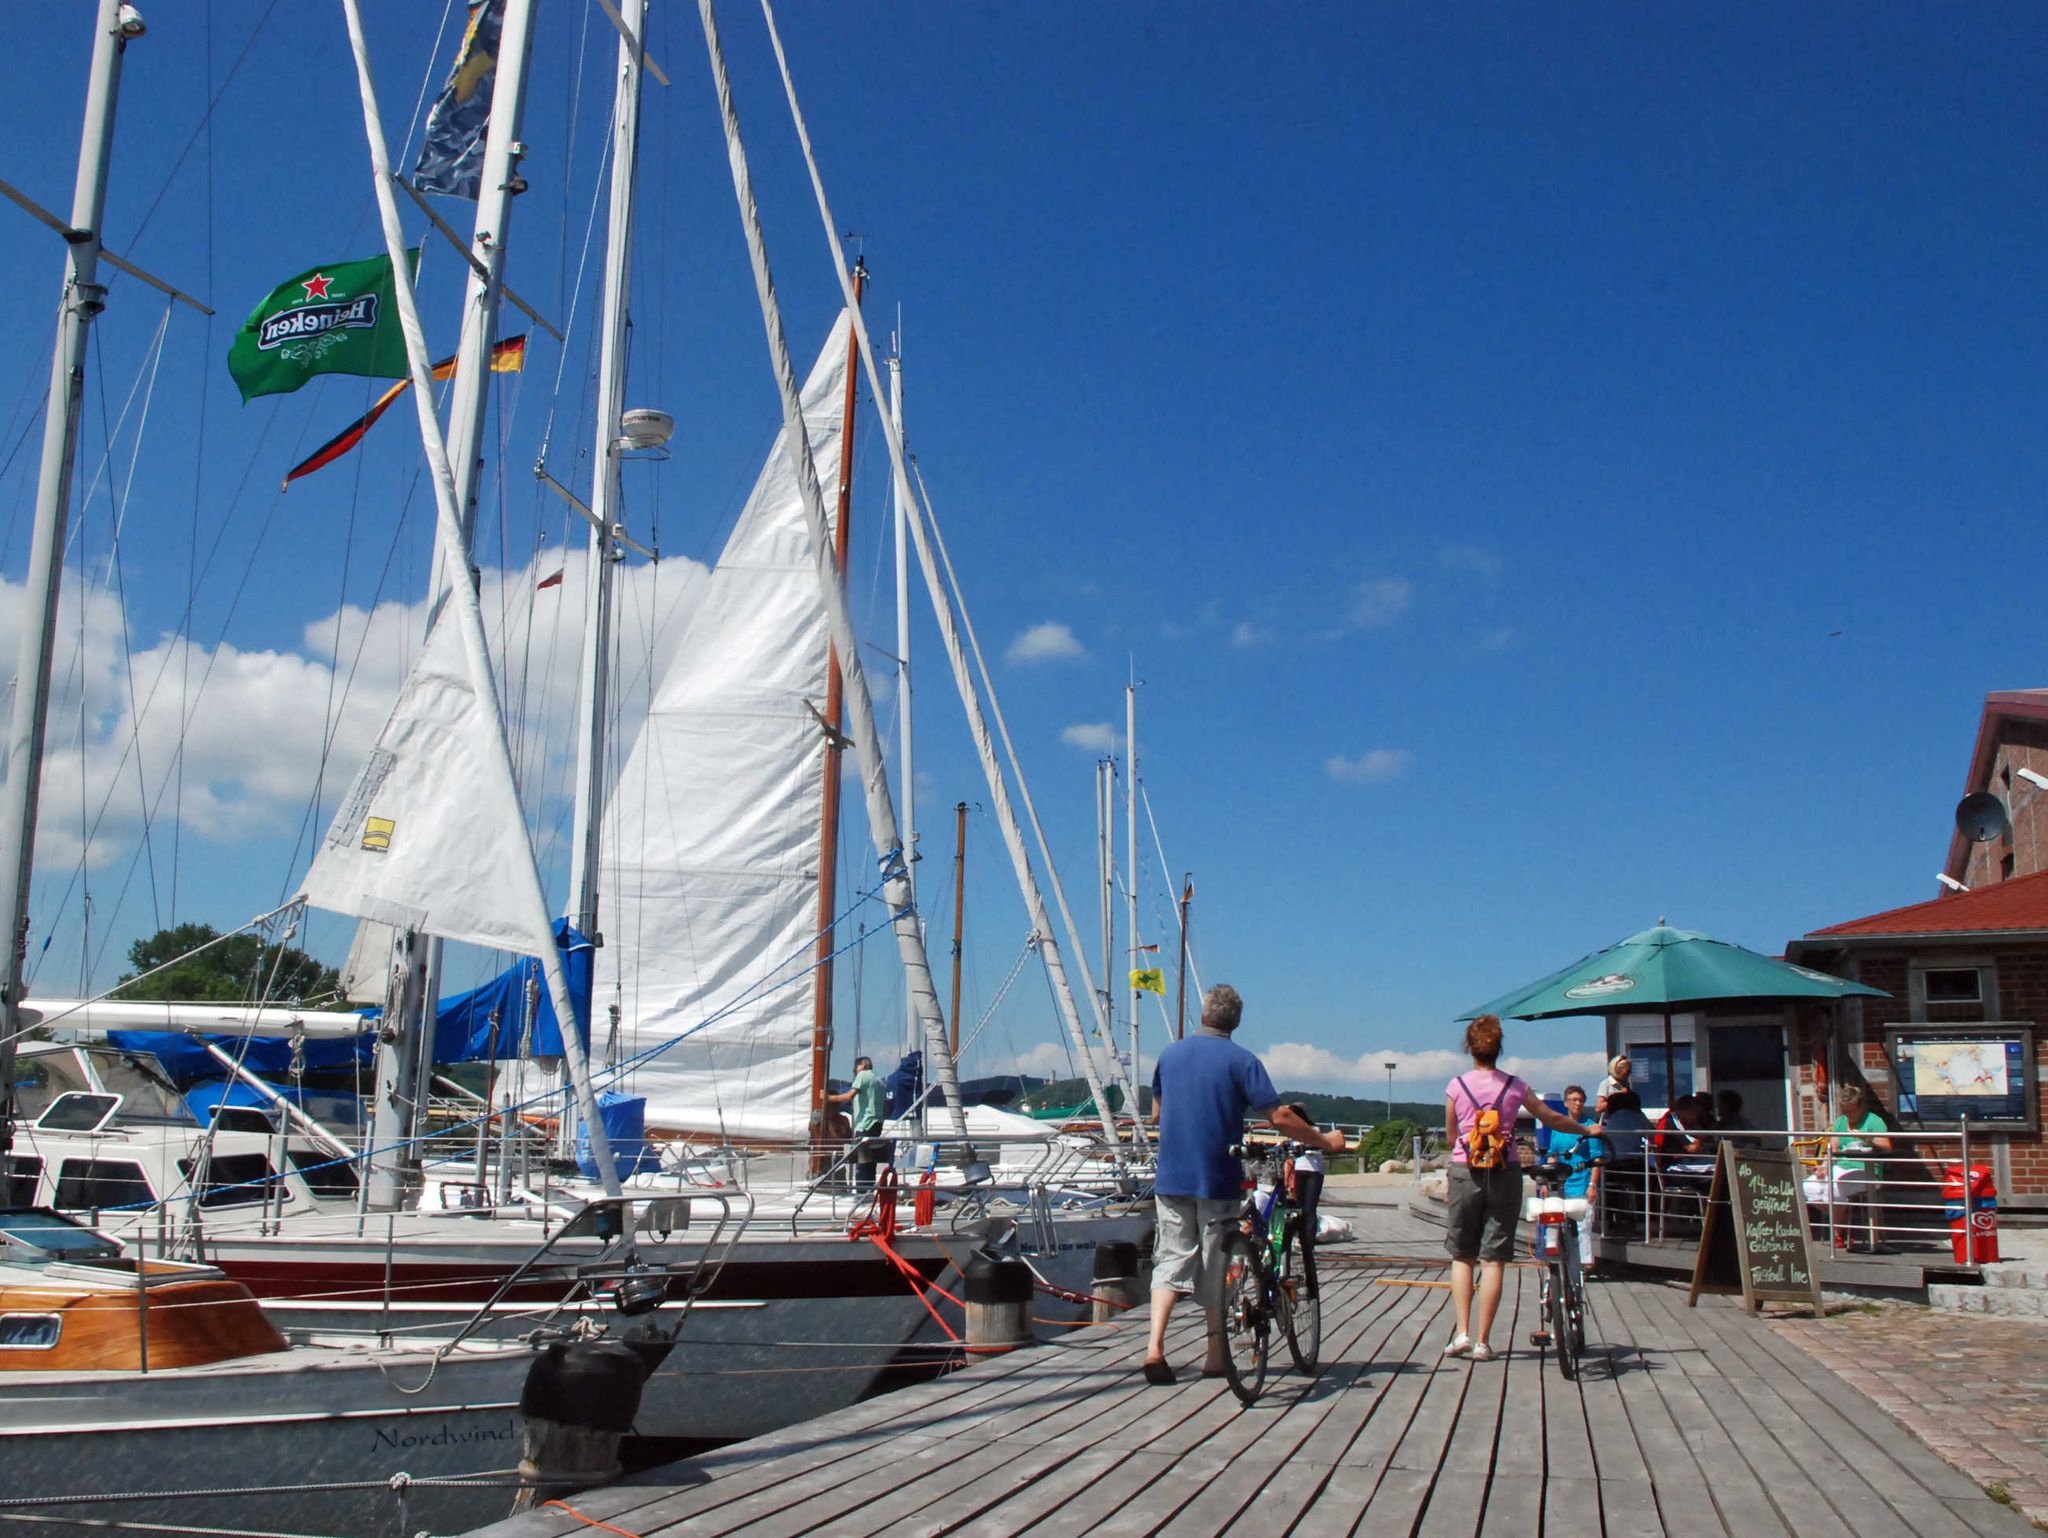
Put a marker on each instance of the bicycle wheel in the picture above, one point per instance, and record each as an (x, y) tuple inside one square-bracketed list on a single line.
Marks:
[(1575, 1296), (1301, 1310), (1562, 1341), (1238, 1291)]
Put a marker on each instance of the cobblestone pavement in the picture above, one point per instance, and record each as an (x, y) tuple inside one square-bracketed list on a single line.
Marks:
[(1974, 1389)]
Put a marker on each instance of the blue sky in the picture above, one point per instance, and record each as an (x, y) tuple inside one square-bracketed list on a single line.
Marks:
[(1552, 467)]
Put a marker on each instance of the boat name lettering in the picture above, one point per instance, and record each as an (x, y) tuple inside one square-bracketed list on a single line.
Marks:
[(447, 1436)]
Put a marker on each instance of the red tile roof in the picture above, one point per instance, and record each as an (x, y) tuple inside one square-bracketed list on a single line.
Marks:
[(2019, 904)]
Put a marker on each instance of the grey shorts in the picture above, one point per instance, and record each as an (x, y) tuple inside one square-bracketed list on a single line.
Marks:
[(1485, 1207), (1189, 1234)]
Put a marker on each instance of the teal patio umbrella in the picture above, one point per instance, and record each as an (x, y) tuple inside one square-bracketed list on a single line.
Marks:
[(1665, 970)]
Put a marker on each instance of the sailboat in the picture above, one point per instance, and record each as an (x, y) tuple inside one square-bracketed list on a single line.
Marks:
[(801, 1316)]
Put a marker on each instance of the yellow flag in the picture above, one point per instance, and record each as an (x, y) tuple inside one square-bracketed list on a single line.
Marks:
[(1149, 980)]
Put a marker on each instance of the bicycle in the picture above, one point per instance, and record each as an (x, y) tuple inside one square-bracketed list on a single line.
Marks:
[(1262, 1276), (1555, 1242)]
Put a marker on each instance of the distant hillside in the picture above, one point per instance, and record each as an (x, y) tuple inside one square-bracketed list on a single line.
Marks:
[(1364, 1111)]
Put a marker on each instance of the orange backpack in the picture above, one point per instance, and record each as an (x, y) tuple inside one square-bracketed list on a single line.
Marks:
[(1486, 1145)]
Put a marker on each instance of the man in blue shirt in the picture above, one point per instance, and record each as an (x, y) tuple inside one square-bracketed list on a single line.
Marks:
[(1203, 1088)]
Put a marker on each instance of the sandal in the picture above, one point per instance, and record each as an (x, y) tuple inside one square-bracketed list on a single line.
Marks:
[(1160, 1373)]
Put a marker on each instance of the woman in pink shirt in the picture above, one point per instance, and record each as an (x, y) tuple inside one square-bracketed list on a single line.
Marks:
[(1485, 1200)]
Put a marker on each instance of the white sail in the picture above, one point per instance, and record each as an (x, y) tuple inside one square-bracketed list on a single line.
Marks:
[(422, 838), (709, 884)]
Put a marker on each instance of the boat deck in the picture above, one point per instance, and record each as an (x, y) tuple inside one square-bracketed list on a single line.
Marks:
[(1691, 1423)]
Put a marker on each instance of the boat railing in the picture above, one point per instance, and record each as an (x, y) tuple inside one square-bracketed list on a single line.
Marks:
[(649, 1255)]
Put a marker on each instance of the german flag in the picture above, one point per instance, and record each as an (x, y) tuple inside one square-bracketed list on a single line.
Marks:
[(507, 357)]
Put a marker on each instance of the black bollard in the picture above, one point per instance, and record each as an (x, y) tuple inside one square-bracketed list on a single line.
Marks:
[(580, 1398), (1116, 1285), (998, 1299)]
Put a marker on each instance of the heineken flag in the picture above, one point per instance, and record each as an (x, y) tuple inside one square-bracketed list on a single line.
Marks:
[(340, 319), (452, 150)]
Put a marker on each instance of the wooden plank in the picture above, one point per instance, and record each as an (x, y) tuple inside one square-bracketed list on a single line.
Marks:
[(1016, 1510), (1342, 1497), (1106, 1504), (1571, 1488)]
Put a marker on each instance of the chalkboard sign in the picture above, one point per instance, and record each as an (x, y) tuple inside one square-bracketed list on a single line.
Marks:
[(1754, 1239)]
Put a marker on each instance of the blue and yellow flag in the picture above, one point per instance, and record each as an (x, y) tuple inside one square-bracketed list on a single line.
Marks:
[(452, 151), (1149, 980)]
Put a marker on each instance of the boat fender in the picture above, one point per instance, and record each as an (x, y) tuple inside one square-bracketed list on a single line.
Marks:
[(580, 1397), (998, 1296)]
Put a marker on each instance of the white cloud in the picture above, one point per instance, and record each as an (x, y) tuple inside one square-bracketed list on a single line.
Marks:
[(1380, 601), (1472, 560), (1245, 635), (231, 742), (1095, 736), (1296, 1065), (1049, 642), (1372, 768)]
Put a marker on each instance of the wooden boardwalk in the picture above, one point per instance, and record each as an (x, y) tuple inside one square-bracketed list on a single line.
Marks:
[(1693, 1423)]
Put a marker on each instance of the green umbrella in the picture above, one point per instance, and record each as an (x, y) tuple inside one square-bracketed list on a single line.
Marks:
[(1665, 970)]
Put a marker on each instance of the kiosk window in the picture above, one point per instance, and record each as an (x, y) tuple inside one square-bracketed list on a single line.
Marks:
[(94, 1183), (1954, 985)]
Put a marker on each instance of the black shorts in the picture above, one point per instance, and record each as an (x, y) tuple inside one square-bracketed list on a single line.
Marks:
[(1485, 1206)]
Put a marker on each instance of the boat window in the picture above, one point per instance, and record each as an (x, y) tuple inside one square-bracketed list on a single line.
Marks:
[(29, 1332), (243, 1118), (40, 1077), (84, 1184), (235, 1180), (20, 1174), (146, 1095), (52, 1233), (324, 1172), (79, 1111)]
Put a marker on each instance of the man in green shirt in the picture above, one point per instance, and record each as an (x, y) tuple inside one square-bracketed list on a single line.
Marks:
[(869, 1102)]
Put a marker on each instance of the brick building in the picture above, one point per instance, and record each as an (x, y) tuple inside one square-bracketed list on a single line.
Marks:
[(1969, 968)]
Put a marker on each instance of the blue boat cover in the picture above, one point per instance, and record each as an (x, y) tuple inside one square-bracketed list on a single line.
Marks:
[(625, 1125), (463, 1032), (906, 1084), (268, 1057)]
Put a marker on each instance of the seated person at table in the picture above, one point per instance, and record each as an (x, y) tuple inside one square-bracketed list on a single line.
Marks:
[(1623, 1126), (1862, 1132), (1685, 1161)]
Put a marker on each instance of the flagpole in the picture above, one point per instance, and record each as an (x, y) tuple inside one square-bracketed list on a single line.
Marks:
[(82, 299)]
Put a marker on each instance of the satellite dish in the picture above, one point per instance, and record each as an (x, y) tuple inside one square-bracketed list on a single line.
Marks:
[(1981, 817)]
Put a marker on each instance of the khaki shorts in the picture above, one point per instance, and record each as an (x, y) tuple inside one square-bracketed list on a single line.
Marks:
[(1485, 1207), (1188, 1239)]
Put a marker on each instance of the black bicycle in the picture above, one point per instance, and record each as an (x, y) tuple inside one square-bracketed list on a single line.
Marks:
[(1263, 1277), (1556, 1219)]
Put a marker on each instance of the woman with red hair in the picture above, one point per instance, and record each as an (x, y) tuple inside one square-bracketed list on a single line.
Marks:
[(1480, 1108)]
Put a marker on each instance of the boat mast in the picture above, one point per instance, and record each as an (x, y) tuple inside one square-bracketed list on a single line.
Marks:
[(959, 910), (900, 514), (405, 1057), (835, 742), (604, 549), (82, 298), (1105, 881), (1131, 855)]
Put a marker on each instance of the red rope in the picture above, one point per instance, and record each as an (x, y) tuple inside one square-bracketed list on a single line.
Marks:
[(589, 1521)]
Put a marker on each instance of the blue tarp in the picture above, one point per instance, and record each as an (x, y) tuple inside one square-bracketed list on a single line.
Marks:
[(905, 1084), (268, 1057), (464, 1032), (625, 1126), (331, 1107)]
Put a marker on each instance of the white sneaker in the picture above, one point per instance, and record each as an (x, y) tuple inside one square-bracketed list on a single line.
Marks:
[(1461, 1345), (1482, 1352)]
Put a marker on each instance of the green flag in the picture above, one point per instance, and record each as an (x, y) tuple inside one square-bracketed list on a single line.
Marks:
[(339, 319)]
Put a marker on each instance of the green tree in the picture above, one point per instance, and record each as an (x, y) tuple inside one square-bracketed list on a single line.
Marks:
[(240, 968)]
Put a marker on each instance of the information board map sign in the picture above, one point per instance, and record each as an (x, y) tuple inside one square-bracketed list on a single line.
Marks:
[(1986, 1073), (1754, 1239)]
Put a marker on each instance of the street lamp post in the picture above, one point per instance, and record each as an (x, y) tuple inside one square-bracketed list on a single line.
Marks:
[(1390, 1092)]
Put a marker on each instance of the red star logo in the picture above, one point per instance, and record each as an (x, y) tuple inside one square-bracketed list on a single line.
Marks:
[(316, 286)]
